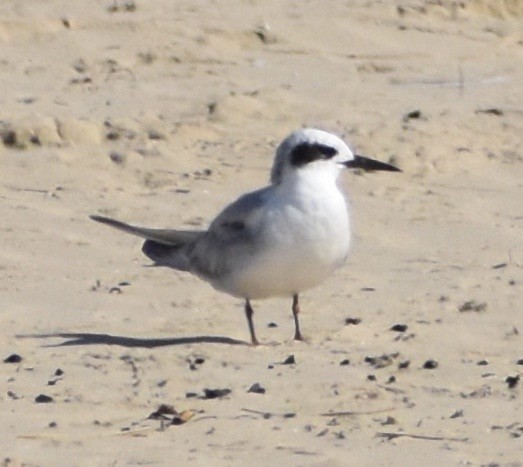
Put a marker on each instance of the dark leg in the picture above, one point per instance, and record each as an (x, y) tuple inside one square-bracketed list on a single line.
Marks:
[(248, 313), (295, 313)]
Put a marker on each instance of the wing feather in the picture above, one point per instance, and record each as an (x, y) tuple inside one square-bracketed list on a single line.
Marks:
[(230, 238), (163, 236)]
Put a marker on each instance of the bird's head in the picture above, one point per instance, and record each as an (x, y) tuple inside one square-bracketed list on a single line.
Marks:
[(318, 151)]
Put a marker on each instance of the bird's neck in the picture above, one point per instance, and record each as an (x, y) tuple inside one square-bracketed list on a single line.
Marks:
[(315, 183)]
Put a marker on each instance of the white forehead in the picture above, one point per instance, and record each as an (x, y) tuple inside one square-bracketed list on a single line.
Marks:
[(311, 135), (305, 135)]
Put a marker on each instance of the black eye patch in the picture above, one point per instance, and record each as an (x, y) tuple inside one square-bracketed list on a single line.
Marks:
[(304, 153)]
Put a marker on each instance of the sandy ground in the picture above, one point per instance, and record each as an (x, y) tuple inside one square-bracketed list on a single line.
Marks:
[(161, 112)]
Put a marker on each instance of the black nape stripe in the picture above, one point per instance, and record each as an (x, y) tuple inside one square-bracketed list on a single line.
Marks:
[(304, 153)]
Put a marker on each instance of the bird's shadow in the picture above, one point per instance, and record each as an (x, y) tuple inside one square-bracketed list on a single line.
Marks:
[(85, 338)]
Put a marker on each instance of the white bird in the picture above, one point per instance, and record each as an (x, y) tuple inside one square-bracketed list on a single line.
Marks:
[(276, 241)]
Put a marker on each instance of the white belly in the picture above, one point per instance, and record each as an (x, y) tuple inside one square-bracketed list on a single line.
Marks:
[(300, 246)]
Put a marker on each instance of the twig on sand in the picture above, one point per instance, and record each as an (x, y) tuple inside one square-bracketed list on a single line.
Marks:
[(268, 415), (351, 413), (389, 436)]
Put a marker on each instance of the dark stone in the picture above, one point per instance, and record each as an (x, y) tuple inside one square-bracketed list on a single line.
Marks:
[(413, 115), (215, 393), (399, 327), (257, 389), (354, 321), (290, 360), (512, 381), (9, 138), (430, 364), (13, 358), (43, 399)]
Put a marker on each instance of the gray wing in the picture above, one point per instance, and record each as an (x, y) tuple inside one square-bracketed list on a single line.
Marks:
[(231, 237), (165, 247)]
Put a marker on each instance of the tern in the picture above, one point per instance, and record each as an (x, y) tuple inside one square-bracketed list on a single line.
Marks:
[(276, 241)]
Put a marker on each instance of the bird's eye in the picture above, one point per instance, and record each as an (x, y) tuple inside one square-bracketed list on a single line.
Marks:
[(304, 153)]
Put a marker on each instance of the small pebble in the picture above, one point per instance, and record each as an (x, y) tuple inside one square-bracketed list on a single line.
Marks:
[(215, 393), (345, 362), (482, 363), (290, 360), (155, 135), (354, 321), (399, 327), (520, 362), (272, 325), (512, 381), (430, 365), (117, 157), (13, 358), (413, 115), (58, 372), (404, 365), (43, 399), (9, 138), (371, 377), (257, 389), (388, 421)]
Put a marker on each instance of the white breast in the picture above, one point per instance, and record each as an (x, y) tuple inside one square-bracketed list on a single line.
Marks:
[(304, 237)]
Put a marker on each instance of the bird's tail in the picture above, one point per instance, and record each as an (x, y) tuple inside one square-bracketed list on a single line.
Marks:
[(165, 247)]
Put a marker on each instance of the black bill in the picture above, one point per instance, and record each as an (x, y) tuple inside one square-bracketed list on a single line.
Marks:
[(369, 165)]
